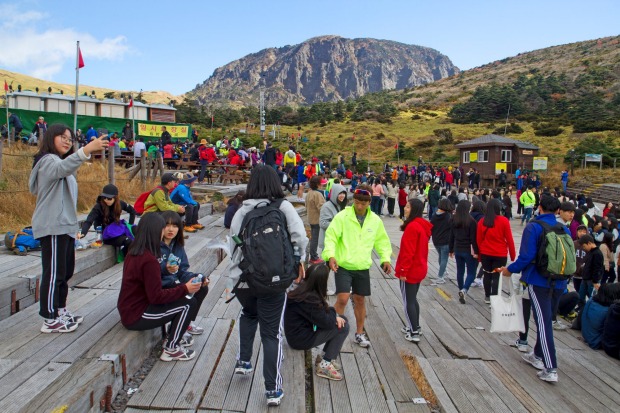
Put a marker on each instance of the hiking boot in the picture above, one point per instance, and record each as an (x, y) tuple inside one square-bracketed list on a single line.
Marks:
[(72, 318), (549, 375), (243, 367), (327, 370), (316, 261), (190, 229), (557, 325), (318, 360), (274, 397), (413, 337), (58, 325), (194, 329), (177, 354), (462, 296), (522, 346), (362, 340), (198, 226), (533, 360)]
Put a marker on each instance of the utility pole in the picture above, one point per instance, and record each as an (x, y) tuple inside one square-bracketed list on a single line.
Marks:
[(261, 88)]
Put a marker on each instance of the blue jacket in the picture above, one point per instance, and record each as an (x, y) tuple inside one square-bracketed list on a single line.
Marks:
[(183, 275), (565, 176), (181, 195), (592, 321), (525, 263)]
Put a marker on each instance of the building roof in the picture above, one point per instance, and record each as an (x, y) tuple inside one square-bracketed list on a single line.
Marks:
[(496, 140), (162, 106)]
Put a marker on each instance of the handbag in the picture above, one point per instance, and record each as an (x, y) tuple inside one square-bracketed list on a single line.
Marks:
[(506, 312)]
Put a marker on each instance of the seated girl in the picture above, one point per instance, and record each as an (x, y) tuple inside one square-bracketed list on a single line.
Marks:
[(142, 302), (107, 211), (595, 312), (172, 244), (309, 321)]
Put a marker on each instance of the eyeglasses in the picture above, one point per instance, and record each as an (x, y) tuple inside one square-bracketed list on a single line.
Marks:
[(362, 192), (105, 198), (68, 139)]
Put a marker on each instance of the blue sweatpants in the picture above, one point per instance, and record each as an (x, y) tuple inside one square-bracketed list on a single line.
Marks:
[(544, 300)]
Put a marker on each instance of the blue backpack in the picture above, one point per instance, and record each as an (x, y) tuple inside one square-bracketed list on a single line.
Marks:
[(22, 241)]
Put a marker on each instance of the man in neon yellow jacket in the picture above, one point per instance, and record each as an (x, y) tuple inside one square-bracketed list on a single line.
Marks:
[(349, 241)]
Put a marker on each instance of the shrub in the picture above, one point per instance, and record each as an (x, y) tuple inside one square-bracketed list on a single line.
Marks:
[(512, 128), (547, 129), (444, 135)]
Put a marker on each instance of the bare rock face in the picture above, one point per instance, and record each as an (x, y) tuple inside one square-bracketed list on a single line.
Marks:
[(327, 68)]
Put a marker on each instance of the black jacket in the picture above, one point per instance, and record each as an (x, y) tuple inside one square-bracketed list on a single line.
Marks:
[(270, 156), (463, 239), (442, 224), (95, 217), (300, 319), (593, 266), (611, 331), (477, 216)]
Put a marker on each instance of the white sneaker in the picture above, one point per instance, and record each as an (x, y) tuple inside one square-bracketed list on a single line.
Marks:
[(439, 281), (331, 292), (548, 375), (533, 360), (522, 347), (557, 325), (362, 340)]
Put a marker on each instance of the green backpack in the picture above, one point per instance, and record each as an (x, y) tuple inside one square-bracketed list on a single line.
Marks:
[(556, 258)]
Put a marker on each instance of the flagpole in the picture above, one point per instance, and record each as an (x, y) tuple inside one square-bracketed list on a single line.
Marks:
[(398, 150), (6, 102), (133, 124), (77, 82), (211, 127)]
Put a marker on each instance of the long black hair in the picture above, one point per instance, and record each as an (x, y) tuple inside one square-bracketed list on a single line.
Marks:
[(264, 184), (462, 218), (607, 294), (494, 208), (148, 235), (417, 208), (47, 146), (313, 289), (172, 218)]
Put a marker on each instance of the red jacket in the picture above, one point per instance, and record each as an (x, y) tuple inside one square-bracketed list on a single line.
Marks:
[(402, 197), (141, 286), (496, 241), (412, 261)]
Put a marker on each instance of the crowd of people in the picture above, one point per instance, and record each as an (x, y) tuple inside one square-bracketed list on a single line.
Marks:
[(471, 225)]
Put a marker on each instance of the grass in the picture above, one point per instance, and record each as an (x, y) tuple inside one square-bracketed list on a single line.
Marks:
[(417, 374)]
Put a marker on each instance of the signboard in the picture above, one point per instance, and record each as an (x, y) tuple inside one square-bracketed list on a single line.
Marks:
[(528, 152), (540, 163), (154, 130), (499, 166), (593, 157), (473, 157)]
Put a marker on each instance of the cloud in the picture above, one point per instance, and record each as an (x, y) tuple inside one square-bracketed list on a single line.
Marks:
[(44, 52)]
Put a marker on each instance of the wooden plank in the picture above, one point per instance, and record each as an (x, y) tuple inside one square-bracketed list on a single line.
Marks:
[(320, 389), (194, 387), (440, 392), (355, 388), (452, 338), (513, 403), (476, 388), (451, 385), (371, 383), (240, 385), (29, 390)]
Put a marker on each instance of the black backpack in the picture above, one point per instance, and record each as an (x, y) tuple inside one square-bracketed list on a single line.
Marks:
[(268, 264)]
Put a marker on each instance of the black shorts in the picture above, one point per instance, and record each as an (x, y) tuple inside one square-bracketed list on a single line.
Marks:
[(359, 280)]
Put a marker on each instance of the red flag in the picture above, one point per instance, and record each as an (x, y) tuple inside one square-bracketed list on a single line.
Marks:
[(80, 59), (6, 86), (396, 146), (131, 102), (211, 118)]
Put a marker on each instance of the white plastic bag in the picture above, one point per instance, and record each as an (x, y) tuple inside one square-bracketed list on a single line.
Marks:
[(506, 312)]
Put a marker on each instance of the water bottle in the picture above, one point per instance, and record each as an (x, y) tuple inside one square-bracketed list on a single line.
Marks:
[(296, 254), (79, 245), (197, 279), (99, 237), (173, 260)]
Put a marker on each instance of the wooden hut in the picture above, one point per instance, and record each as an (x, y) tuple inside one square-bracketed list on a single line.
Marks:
[(489, 154), (162, 113)]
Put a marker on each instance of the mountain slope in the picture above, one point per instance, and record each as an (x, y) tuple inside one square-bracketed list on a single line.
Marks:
[(326, 68)]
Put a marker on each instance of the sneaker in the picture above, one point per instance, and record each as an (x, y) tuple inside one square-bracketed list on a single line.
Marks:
[(243, 367), (194, 329), (327, 370), (549, 375), (318, 360), (477, 283), (331, 292), (572, 315), (72, 318), (316, 261), (274, 397), (406, 330), (533, 360), (186, 341), (189, 229), (439, 281), (462, 296), (557, 325), (522, 346), (178, 353), (362, 340), (198, 226), (487, 300), (59, 325), (413, 337)]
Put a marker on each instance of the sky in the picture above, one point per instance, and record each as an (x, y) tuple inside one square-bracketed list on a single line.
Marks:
[(175, 45)]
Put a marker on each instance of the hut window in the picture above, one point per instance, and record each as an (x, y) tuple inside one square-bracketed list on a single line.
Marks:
[(483, 156), (466, 157), (506, 155)]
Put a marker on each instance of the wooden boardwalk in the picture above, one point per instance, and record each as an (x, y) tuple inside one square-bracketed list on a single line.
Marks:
[(458, 363)]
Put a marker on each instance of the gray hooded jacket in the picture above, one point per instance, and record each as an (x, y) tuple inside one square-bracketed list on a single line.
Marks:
[(294, 223), (53, 182), (329, 211)]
